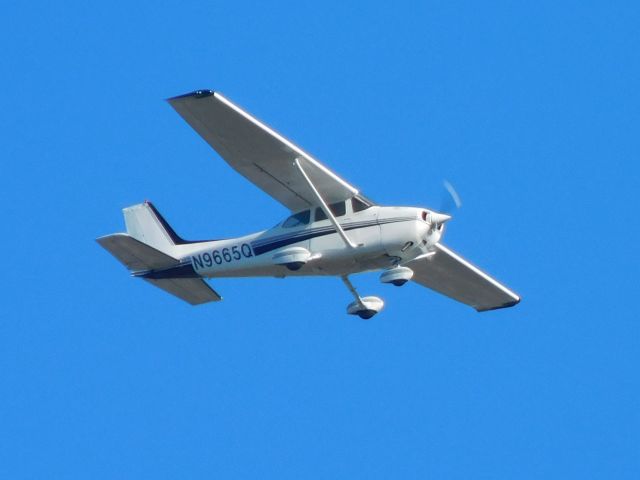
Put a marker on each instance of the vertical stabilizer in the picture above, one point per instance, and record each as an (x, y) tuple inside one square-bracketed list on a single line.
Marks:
[(145, 224)]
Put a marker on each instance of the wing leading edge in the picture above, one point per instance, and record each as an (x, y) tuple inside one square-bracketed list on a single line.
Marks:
[(259, 153), (449, 274)]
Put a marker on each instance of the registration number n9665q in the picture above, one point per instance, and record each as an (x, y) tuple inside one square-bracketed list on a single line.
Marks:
[(220, 256)]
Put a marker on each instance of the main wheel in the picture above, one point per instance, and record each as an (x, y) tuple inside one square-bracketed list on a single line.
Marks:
[(365, 307), (366, 314)]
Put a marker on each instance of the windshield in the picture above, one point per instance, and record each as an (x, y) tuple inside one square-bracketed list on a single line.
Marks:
[(358, 205)]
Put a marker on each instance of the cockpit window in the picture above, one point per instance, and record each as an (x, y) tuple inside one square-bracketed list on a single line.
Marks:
[(301, 218), (358, 205), (338, 209)]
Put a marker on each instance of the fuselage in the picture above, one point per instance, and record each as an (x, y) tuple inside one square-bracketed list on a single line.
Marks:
[(385, 236)]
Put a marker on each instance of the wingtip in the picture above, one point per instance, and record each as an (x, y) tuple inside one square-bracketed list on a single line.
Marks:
[(205, 92), (512, 303)]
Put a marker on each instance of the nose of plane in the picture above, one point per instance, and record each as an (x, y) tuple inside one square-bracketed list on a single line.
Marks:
[(439, 218)]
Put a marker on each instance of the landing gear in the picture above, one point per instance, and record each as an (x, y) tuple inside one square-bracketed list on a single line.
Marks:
[(366, 314), (364, 307), (397, 276)]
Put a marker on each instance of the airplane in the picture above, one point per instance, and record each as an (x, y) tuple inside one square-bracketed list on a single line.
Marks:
[(333, 229)]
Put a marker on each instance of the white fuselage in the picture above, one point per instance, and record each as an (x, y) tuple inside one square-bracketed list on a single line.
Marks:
[(385, 237)]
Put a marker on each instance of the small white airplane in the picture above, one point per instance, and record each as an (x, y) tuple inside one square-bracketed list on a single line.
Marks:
[(333, 230)]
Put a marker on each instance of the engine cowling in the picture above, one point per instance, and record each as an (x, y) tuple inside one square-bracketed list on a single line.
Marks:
[(397, 276), (292, 258)]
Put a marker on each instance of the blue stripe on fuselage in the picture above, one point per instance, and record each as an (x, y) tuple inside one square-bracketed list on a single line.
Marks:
[(273, 243)]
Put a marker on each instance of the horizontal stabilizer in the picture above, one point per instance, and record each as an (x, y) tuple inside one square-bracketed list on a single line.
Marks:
[(138, 256), (134, 254), (192, 290)]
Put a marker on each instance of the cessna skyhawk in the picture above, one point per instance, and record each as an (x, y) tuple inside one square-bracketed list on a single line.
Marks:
[(333, 229)]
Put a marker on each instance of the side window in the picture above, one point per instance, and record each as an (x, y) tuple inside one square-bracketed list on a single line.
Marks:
[(301, 218), (358, 205), (338, 209)]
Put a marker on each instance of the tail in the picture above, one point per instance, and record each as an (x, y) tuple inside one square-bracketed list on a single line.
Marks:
[(148, 250), (144, 223)]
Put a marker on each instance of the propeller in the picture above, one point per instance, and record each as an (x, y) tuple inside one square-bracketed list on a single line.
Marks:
[(451, 201)]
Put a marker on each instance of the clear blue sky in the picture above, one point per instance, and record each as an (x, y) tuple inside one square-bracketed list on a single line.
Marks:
[(531, 109)]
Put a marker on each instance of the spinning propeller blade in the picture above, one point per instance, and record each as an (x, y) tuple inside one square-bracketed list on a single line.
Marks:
[(449, 203), (452, 201)]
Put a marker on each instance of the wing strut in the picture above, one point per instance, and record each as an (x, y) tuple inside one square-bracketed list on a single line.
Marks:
[(324, 205)]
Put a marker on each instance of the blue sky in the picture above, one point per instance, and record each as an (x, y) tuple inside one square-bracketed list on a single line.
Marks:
[(529, 109)]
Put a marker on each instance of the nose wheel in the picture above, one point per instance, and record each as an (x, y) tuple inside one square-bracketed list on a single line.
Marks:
[(364, 307)]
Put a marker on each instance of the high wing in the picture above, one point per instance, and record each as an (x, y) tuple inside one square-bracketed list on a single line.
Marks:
[(449, 274), (259, 153)]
